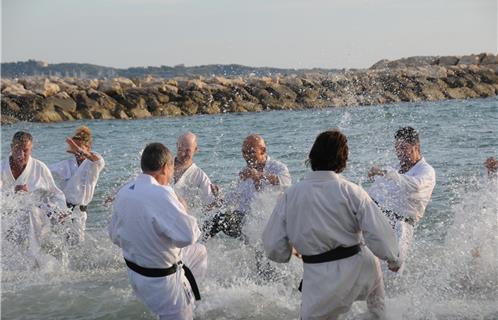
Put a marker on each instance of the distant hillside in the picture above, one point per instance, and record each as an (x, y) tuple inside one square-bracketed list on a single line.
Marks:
[(85, 70)]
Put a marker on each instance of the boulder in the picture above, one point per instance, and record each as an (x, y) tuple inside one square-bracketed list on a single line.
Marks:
[(62, 101), (489, 59), (448, 60), (16, 89), (470, 59)]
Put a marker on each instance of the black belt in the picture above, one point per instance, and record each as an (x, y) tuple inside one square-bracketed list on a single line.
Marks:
[(332, 255), (72, 206), (157, 272), (393, 216)]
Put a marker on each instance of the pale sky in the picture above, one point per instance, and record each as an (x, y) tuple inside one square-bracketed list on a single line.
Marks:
[(275, 33)]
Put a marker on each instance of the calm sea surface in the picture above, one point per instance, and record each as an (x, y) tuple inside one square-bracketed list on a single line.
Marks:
[(444, 280)]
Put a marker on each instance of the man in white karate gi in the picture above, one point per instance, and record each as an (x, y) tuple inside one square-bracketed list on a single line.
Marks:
[(338, 231), (404, 191), (31, 178), (158, 238), (261, 174), (191, 182), (78, 176)]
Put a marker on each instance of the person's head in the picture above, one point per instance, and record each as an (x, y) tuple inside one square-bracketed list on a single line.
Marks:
[(407, 145), (329, 152), (21, 147), (83, 138), (157, 161), (254, 151), (186, 147)]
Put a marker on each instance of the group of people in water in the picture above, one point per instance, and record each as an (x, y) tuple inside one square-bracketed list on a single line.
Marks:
[(340, 231)]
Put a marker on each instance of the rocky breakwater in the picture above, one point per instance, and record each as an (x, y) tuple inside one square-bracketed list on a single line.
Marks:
[(410, 79)]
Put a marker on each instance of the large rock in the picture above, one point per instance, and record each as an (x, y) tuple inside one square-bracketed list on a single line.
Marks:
[(62, 101), (43, 87), (448, 60), (489, 59), (470, 59), (16, 89)]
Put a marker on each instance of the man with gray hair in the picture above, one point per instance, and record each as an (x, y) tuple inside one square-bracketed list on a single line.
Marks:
[(158, 238), (191, 182)]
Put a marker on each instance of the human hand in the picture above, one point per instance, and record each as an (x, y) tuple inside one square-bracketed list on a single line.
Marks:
[(375, 171), (394, 266), (249, 173), (21, 187), (296, 254), (491, 164)]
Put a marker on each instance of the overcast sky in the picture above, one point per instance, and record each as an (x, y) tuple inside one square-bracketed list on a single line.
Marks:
[(277, 33)]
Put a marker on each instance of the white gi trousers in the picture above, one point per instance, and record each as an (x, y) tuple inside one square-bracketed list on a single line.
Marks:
[(171, 297)]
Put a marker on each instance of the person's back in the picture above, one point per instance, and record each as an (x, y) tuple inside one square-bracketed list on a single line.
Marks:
[(325, 219), (157, 236), (154, 237), (319, 217)]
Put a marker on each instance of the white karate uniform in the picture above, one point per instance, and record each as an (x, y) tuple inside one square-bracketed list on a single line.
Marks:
[(78, 184), (154, 231), (322, 212), (195, 187), (407, 195), (46, 197), (246, 190)]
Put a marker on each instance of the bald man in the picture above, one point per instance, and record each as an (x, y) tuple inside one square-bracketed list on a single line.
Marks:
[(260, 174), (191, 182)]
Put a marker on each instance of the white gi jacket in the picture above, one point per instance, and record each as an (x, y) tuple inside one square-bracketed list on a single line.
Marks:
[(42, 190), (153, 229), (406, 195), (78, 182), (320, 213), (195, 187), (38, 178), (246, 190)]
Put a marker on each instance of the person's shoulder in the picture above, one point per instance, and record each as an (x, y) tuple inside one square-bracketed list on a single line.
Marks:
[(276, 163), (353, 188), (425, 168), (39, 164)]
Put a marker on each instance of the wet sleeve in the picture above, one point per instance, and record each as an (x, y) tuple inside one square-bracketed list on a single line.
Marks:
[(113, 228), (275, 240), (419, 185), (204, 184), (175, 223), (56, 196), (378, 234)]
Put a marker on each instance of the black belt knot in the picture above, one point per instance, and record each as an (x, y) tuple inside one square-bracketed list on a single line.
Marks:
[(164, 272)]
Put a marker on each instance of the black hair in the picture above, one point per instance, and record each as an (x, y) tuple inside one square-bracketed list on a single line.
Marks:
[(407, 134), (329, 152)]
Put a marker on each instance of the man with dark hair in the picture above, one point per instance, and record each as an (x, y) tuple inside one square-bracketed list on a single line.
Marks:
[(403, 192), (158, 238), (22, 173), (325, 219)]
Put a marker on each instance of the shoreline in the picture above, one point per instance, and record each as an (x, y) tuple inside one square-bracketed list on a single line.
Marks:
[(53, 99)]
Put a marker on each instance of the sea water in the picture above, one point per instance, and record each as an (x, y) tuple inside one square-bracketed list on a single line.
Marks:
[(452, 272)]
